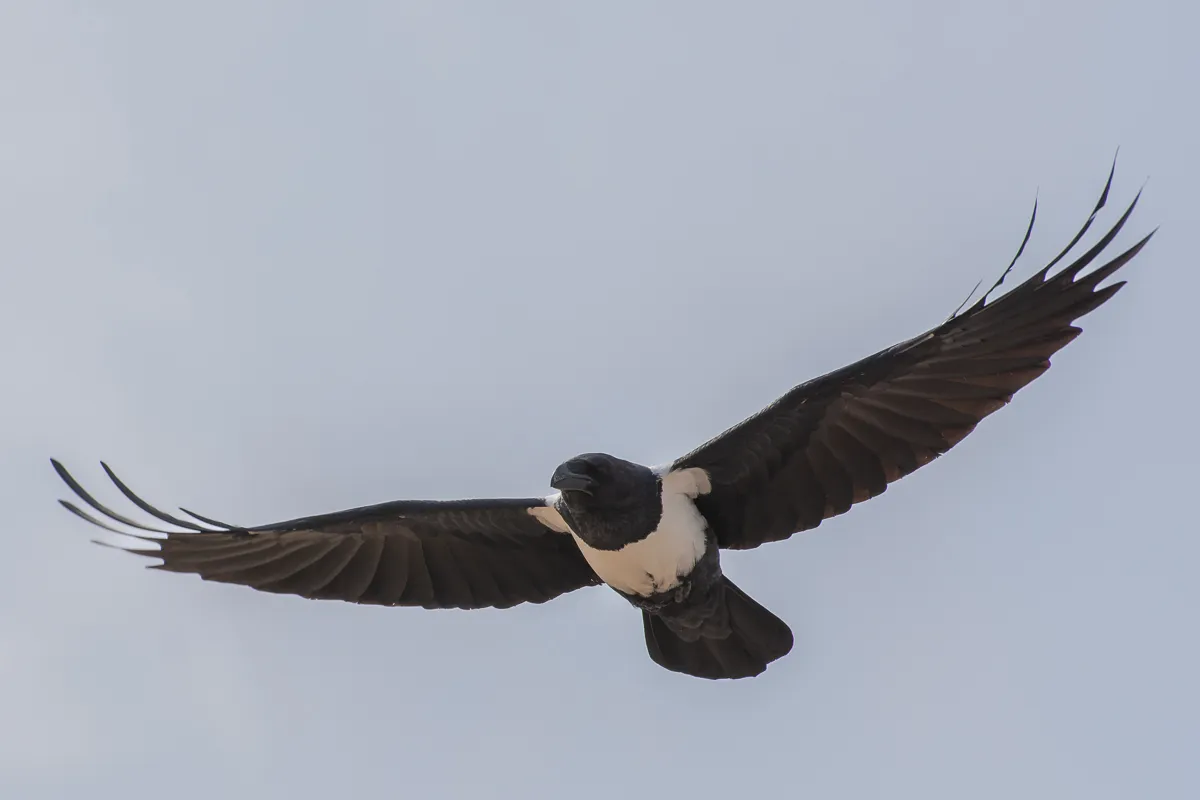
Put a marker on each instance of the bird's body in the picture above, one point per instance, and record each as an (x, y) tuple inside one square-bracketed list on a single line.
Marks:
[(641, 532), (654, 534), (657, 560)]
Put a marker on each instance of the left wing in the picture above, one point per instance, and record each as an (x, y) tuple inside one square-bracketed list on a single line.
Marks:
[(434, 554), (844, 437)]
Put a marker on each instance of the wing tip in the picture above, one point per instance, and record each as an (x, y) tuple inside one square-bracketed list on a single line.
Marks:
[(1072, 273), (111, 519)]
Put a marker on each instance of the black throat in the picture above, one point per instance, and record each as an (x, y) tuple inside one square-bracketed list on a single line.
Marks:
[(613, 524)]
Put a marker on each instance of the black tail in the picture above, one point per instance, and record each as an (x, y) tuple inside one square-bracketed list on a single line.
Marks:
[(743, 639)]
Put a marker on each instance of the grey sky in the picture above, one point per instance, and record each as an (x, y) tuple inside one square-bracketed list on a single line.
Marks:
[(269, 259)]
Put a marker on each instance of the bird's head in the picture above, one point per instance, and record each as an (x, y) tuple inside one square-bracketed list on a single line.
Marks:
[(598, 480)]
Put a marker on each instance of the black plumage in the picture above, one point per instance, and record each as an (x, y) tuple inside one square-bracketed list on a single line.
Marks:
[(433, 554), (654, 534), (844, 437)]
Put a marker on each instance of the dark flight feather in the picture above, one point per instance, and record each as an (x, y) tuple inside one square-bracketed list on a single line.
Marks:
[(434, 554), (842, 438)]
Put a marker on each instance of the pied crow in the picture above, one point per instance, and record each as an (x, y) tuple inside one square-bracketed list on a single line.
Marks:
[(654, 534)]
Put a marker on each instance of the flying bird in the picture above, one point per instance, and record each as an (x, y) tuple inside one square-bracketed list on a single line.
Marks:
[(654, 534)]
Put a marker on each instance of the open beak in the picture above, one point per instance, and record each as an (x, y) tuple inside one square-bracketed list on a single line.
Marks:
[(566, 479)]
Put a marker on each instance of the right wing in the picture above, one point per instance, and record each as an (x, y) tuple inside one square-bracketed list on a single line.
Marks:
[(433, 554)]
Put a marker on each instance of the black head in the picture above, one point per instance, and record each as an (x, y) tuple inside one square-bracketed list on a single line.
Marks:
[(611, 501)]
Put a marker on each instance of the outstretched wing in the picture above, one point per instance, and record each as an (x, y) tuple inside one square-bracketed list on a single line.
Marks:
[(434, 554), (844, 437)]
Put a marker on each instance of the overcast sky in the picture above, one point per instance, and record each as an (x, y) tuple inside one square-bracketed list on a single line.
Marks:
[(269, 259)]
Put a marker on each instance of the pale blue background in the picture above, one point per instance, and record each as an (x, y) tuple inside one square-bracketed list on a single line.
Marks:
[(272, 259)]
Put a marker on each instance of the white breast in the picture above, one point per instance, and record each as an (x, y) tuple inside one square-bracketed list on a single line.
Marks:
[(658, 562)]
